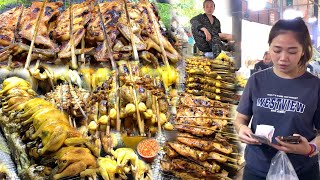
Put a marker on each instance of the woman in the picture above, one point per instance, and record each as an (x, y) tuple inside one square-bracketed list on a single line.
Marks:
[(287, 97), (206, 30)]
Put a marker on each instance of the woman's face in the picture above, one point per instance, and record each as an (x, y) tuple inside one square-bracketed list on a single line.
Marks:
[(209, 8), (285, 52)]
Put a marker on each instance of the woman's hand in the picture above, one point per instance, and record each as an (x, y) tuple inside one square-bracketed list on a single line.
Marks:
[(244, 132), (302, 148), (207, 33), (245, 135)]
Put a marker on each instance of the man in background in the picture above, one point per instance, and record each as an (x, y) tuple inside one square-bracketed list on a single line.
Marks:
[(264, 64), (206, 30)]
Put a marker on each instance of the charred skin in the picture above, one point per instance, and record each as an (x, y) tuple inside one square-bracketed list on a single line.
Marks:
[(205, 145), (53, 37), (196, 130), (186, 151), (8, 24), (28, 23)]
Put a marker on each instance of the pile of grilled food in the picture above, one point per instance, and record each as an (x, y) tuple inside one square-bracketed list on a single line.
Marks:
[(213, 78), (98, 32), (72, 77), (202, 143), (46, 143)]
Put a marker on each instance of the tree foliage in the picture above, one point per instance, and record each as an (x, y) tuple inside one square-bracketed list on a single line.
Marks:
[(187, 9), (164, 10)]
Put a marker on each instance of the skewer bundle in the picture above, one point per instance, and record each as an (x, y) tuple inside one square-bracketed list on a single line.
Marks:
[(205, 145), (213, 78)]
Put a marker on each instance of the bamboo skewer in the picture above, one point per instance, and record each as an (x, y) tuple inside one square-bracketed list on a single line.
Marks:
[(221, 118), (135, 99), (74, 63), (134, 47), (157, 31), (136, 58), (158, 114), (15, 34), (114, 67), (207, 128), (83, 60), (35, 35), (77, 101), (156, 102)]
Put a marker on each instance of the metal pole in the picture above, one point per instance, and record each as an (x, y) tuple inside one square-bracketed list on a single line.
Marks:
[(236, 8), (315, 26), (281, 9)]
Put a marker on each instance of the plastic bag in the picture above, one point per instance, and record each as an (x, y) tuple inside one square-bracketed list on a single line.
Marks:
[(281, 168)]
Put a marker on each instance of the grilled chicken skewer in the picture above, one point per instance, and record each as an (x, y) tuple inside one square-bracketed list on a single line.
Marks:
[(114, 66), (205, 145), (136, 58), (193, 168), (198, 155), (186, 151), (74, 64), (35, 35), (196, 130)]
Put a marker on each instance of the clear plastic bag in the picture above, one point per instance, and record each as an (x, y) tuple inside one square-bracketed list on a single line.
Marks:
[(281, 168)]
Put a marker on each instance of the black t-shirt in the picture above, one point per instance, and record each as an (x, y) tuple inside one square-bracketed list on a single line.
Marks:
[(292, 106), (261, 66), (201, 21)]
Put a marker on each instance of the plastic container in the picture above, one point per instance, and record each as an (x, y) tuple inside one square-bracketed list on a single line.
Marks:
[(148, 149)]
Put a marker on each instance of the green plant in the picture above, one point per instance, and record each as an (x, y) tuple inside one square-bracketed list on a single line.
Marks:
[(187, 9), (8, 4), (164, 13)]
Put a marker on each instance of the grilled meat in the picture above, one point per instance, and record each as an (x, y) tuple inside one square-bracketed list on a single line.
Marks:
[(205, 145), (191, 100), (186, 151), (81, 15), (29, 20), (198, 131), (9, 20)]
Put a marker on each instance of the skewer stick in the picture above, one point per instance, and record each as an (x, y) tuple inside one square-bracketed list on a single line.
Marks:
[(158, 114), (35, 35), (157, 31), (156, 102), (108, 129), (134, 47), (220, 118), (136, 58), (114, 66), (70, 121), (83, 60), (15, 34), (74, 64), (230, 135), (76, 100), (135, 99), (61, 97)]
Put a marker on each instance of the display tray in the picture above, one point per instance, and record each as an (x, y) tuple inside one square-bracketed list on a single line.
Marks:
[(6, 161)]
